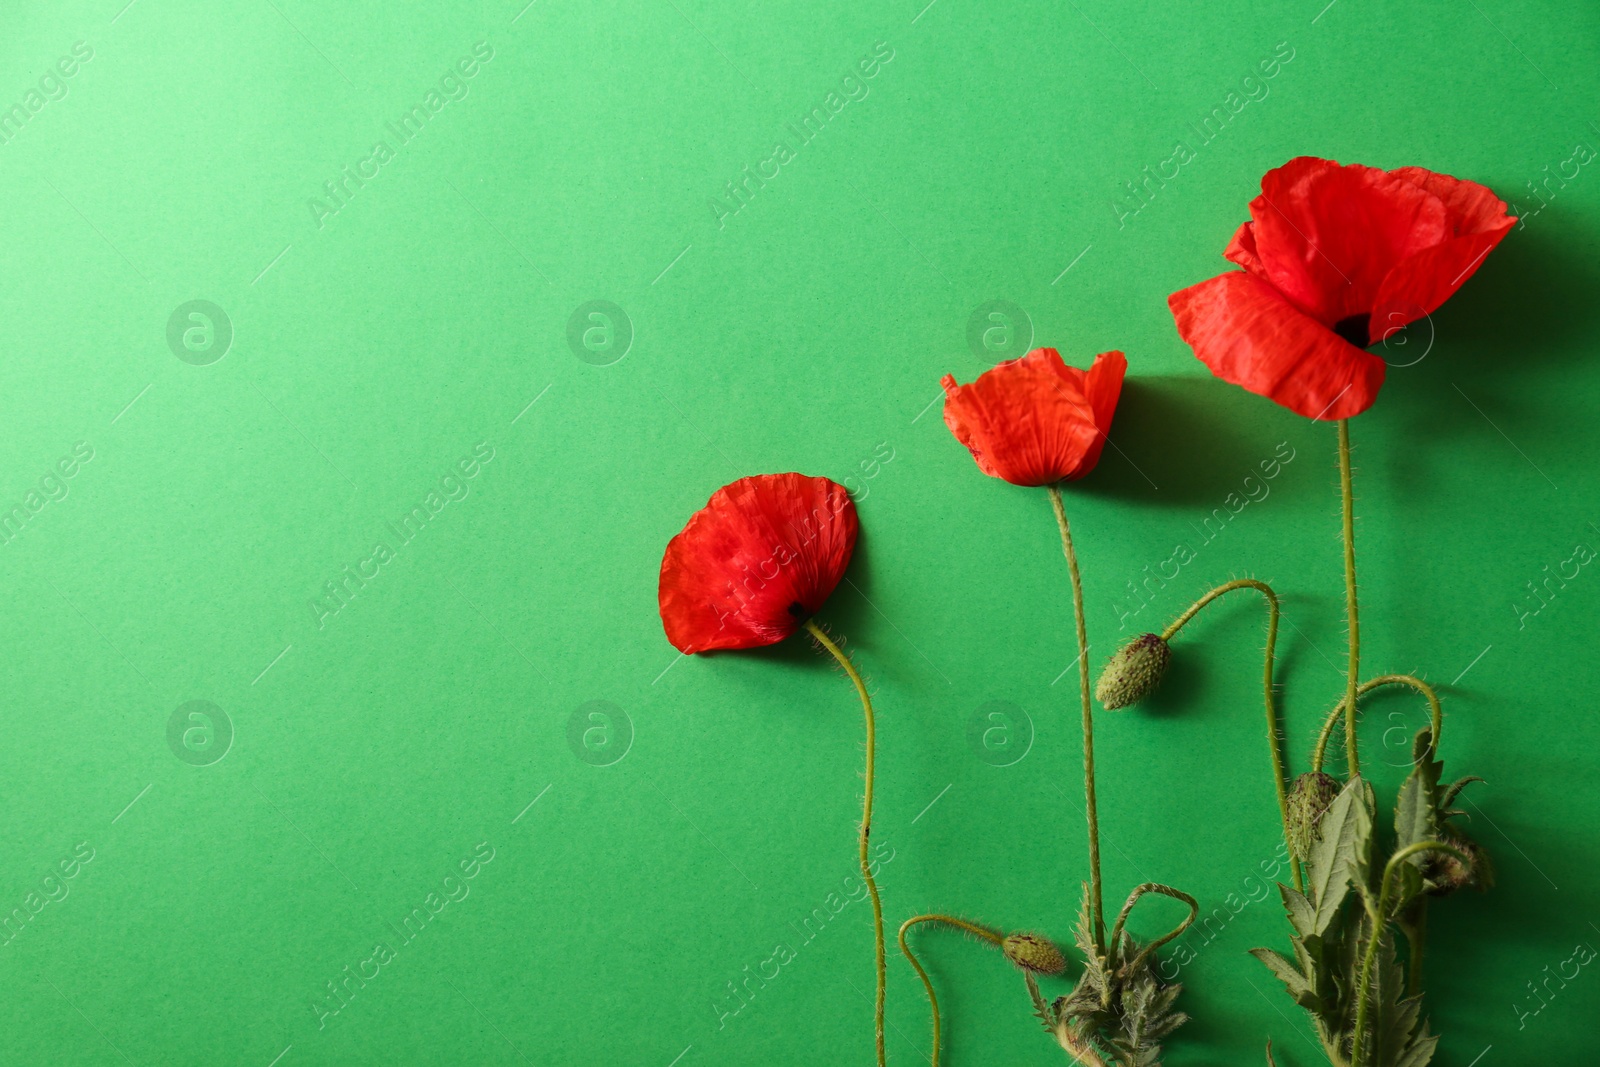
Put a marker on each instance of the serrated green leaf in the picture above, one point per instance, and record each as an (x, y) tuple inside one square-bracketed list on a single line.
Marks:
[(1301, 914), (1298, 985), (1340, 852), (1455, 788)]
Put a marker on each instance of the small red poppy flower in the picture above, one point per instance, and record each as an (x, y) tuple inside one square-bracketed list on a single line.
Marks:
[(756, 562), (1335, 259), (1035, 420)]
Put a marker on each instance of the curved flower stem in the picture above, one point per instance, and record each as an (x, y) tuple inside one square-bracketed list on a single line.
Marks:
[(1354, 670), (1435, 712), (1133, 898), (1088, 721), (1280, 775), (866, 821), (927, 983), (1380, 919)]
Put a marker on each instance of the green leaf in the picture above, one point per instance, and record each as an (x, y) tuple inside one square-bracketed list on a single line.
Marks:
[(1340, 851), (1455, 789), (1301, 914), (1294, 981)]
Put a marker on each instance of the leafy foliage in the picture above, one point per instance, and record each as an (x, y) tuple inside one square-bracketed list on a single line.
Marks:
[(1345, 906), (1120, 1011)]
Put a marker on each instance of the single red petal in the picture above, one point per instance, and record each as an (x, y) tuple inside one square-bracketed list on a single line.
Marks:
[(1242, 250), (1472, 208), (1327, 235), (1025, 420), (1102, 387), (760, 558), (1248, 334), (1420, 283)]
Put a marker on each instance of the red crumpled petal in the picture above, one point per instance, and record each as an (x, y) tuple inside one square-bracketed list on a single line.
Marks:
[(1102, 385), (1417, 285), (1026, 420), (1327, 235), (1248, 334), (760, 558)]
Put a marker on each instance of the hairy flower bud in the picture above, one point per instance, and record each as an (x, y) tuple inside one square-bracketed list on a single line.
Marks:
[(1309, 797), (1034, 953), (1134, 672), (1446, 873)]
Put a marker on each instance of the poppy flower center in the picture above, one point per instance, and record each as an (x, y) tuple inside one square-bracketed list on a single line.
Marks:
[(798, 610), (1353, 328)]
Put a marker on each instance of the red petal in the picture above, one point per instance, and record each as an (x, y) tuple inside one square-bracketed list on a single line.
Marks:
[(761, 557), (1242, 250), (1327, 235), (1026, 420), (1248, 334), (1419, 284), (1102, 386)]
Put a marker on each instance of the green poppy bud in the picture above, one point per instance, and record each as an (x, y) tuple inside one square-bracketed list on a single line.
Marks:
[(1309, 797), (1034, 953), (1134, 672)]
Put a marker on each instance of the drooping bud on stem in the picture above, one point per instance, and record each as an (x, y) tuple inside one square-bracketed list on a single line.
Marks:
[(1310, 796), (1034, 953), (1446, 873), (1134, 672)]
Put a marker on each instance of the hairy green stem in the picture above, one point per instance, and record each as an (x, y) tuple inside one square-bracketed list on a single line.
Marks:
[(927, 983), (1095, 906), (1280, 774), (1133, 898), (1380, 919), (839, 654), (1354, 669), (1435, 711)]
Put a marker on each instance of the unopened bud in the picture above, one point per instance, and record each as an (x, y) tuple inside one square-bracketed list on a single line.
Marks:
[(1034, 953), (1134, 672), (1447, 873), (1310, 796)]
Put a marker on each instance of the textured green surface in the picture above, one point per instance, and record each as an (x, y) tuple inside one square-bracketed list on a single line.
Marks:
[(378, 748)]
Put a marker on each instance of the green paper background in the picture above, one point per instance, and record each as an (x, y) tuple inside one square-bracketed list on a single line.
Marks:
[(375, 748)]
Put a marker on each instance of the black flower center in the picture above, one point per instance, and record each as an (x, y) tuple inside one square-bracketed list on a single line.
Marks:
[(798, 610), (1353, 328)]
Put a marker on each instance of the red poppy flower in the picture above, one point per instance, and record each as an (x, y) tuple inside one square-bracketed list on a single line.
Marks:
[(757, 561), (1035, 420), (1335, 258)]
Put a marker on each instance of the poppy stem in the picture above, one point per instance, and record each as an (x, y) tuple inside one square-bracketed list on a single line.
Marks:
[(1354, 670), (866, 821), (1280, 776), (1095, 906), (927, 983), (1435, 712)]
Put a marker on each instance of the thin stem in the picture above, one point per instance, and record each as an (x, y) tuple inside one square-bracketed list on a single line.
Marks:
[(927, 983), (1280, 774), (1354, 670), (1088, 721), (1380, 919), (1133, 898), (1435, 711), (866, 823)]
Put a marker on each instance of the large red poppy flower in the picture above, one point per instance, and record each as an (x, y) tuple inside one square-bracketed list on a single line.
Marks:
[(757, 561), (1035, 420), (1335, 258)]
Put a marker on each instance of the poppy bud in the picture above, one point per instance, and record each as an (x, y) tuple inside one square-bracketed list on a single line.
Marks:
[(1034, 953), (1134, 672), (1308, 799), (1447, 873)]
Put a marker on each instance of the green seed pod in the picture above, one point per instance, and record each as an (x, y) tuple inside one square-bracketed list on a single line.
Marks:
[(1134, 672), (1034, 953), (1309, 797), (1446, 874)]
